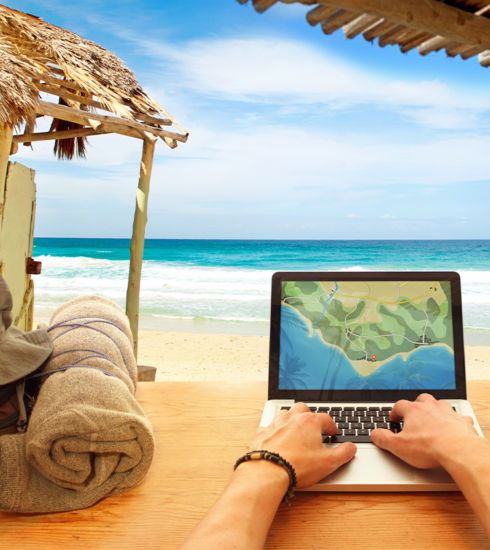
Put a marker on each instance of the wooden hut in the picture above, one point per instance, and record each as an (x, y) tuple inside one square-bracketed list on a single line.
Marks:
[(94, 94), (460, 27)]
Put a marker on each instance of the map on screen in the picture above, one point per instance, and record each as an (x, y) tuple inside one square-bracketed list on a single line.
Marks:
[(366, 335)]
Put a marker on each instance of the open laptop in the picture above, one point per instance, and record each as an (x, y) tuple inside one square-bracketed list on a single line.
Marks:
[(352, 344)]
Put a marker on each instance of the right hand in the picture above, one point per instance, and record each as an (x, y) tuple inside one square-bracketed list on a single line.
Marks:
[(432, 431), (297, 436)]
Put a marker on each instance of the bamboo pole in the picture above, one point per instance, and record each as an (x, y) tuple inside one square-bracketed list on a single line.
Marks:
[(138, 241)]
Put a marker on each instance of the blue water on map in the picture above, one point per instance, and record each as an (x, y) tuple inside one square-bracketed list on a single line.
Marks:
[(307, 363), (228, 282)]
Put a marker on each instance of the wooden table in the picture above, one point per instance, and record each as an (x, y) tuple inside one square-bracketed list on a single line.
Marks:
[(200, 430)]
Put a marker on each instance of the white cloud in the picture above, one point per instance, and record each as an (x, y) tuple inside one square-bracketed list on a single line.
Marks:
[(287, 72), (388, 216), (353, 216)]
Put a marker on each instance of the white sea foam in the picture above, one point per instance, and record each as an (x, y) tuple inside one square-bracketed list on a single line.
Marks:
[(174, 291)]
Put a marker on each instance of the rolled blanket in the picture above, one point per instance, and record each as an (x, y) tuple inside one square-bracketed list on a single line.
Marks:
[(87, 438)]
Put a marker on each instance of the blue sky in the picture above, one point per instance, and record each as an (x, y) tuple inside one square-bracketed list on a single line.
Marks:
[(293, 134)]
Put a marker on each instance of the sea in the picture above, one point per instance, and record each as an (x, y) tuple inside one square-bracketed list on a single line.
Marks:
[(223, 286)]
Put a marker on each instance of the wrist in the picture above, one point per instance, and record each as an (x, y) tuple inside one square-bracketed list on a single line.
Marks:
[(459, 454), (264, 476)]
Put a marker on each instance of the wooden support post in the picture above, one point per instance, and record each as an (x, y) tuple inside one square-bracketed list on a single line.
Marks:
[(138, 241), (6, 134)]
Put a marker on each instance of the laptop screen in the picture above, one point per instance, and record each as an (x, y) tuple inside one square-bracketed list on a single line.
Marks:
[(391, 336)]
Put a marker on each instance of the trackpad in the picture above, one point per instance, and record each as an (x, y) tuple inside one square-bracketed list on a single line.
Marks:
[(372, 465)]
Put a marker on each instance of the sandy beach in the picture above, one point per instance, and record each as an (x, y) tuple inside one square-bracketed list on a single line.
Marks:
[(182, 356)]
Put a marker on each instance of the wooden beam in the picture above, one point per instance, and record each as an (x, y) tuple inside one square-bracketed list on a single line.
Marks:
[(434, 44), (138, 241), (471, 53), (263, 5), (64, 83), (63, 134), (338, 20), (96, 104), (484, 59), (80, 117), (29, 129), (6, 133), (429, 16), (360, 24), (391, 37), (416, 40), (318, 14), (170, 142), (380, 28)]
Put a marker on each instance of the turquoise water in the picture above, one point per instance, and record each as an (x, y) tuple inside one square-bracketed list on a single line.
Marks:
[(216, 286), (307, 363)]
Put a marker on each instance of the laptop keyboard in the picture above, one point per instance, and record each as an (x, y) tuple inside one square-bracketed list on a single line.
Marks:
[(356, 423)]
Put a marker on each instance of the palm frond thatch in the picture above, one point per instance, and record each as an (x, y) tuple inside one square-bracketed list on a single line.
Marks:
[(32, 50)]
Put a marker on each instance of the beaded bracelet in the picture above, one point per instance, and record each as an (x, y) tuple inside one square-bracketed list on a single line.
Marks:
[(276, 459)]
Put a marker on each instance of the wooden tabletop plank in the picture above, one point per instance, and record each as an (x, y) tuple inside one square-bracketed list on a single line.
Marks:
[(200, 430)]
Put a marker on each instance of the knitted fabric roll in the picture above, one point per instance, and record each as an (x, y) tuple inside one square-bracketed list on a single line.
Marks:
[(88, 438)]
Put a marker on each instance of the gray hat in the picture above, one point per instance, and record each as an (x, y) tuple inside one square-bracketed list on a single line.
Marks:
[(20, 352)]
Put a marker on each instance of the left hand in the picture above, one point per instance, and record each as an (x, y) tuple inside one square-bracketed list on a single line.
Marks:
[(297, 436)]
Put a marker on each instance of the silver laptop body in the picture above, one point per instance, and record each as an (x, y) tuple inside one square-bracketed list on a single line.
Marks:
[(361, 341)]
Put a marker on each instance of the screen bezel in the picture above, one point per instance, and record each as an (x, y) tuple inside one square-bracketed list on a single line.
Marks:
[(365, 395)]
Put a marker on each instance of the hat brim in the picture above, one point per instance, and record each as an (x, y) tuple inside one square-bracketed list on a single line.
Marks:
[(22, 353)]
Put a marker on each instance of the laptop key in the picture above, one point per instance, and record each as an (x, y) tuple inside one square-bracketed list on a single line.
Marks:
[(336, 408), (374, 408), (323, 409), (382, 425), (342, 425), (354, 439), (361, 408), (356, 425), (377, 419), (369, 425), (349, 409), (346, 413), (362, 432), (386, 408), (312, 409), (334, 413), (349, 432), (365, 419)]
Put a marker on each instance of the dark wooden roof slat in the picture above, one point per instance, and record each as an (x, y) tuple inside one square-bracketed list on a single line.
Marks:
[(417, 38), (263, 5), (430, 16), (454, 49), (393, 37), (320, 13), (467, 54), (337, 20), (381, 28)]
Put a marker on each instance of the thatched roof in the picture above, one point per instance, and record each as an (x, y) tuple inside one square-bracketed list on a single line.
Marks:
[(460, 27), (37, 56)]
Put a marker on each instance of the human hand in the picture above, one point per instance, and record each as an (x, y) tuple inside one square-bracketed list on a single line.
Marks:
[(297, 436), (432, 431)]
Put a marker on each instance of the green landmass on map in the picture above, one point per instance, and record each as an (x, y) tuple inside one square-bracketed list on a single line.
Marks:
[(380, 319)]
